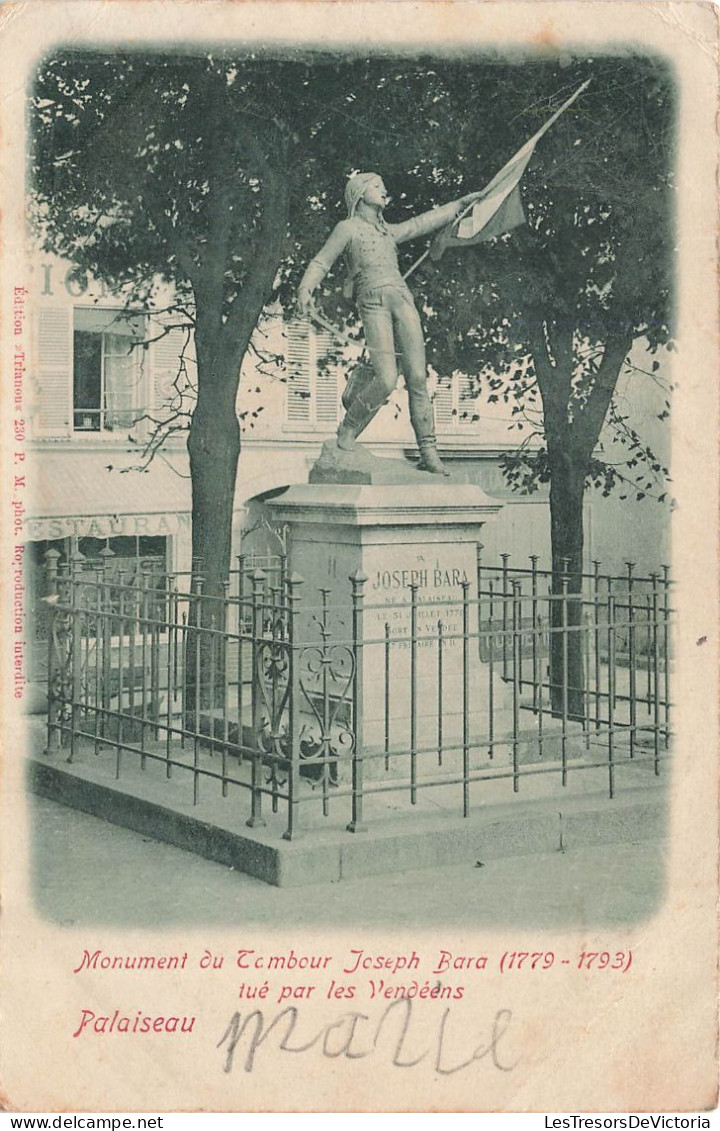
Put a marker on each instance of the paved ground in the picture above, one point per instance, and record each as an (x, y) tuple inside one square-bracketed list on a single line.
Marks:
[(88, 871)]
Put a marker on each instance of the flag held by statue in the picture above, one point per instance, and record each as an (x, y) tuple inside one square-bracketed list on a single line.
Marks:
[(499, 209)]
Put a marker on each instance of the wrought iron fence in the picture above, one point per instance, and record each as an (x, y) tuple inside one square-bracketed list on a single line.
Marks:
[(298, 705)]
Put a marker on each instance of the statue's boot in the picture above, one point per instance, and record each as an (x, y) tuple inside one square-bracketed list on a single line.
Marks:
[(346, 435), (354, 422), (360, 377), (369, 395), (429, 458), (423, 422)]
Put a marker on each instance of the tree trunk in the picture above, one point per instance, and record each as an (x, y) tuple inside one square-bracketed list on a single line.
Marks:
[(571, 435), (214, 449), (567, 490)]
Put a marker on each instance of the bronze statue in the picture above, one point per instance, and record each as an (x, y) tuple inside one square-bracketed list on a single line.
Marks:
[(389, 315)]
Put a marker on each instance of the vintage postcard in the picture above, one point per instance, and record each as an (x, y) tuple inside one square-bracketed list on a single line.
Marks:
[(359, 455)]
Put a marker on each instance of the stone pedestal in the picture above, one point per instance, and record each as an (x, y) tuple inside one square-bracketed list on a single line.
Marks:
[(415, 542)]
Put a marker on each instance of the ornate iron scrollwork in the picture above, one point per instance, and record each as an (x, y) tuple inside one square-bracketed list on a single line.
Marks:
[(60, 682), (273, 682), (327, 671)]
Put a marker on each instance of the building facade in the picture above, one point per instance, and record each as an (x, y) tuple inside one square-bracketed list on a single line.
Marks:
[(104, 377)]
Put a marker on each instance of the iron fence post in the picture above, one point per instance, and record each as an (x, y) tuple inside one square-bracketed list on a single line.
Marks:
[(325, 726), (517, 687), (413, 691), (144, 627), (120, 671), (534, 618), (598, 668), (76, 623), (386, 695), (632, 674), (52, 594), (540, 703), (283, 573), (564, 582), (223, 680), (648, 652), (132, 623), (505, 596), (611, 694), (52, 557), (211, 663), (240, 673), (656, 671), (479, 567), (440, 691), (256, 818), (197, 688), (99, 619), (666, 649), (106, 634), (610, 594), (157, 613), (357, 580), (587, 668), (491, 669), (183, 668), (241, 576), (466, 695), (171, 665), (294, 581)]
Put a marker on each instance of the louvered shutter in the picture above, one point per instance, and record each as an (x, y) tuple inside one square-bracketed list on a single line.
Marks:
[(326, 381), (165, 360), (298, 370), (443, 404), (466, 400), (53, 365)]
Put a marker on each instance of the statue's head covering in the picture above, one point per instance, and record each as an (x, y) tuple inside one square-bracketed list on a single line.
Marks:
[(355, 189)]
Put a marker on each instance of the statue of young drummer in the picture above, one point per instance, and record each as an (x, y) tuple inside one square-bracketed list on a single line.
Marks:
[(389, 315)]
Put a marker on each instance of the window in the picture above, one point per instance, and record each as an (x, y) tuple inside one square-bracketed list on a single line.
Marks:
[(313, 391), (106, 370)]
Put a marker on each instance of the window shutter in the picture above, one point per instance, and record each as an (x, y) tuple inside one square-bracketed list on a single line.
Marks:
[(326, 381), (298, 370), (443, 403), (466, 400), (165, 355), (54, 371)]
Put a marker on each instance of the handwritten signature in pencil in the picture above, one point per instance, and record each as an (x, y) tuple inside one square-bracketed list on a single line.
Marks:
[(356, 1036)]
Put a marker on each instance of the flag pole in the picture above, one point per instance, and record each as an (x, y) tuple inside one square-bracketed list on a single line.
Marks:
[(420, 260)]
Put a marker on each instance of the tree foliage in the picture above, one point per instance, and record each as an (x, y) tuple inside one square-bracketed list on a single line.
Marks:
[(223, 175)]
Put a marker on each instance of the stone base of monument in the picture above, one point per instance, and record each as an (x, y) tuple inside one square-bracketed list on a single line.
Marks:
[(447, 759), (336, 465), (413, 537), (542, 818)]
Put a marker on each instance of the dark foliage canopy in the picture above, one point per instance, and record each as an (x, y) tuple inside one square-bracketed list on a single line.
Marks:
[(223, 174)]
